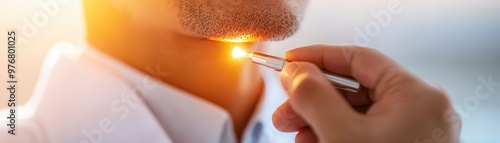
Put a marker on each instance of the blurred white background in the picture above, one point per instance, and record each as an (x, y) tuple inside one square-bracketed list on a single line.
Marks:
[(452, 43)]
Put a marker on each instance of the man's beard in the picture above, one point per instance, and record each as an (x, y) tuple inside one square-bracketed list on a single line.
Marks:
[(245, 21)]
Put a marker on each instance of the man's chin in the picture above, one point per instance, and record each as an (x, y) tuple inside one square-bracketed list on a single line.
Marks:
[(242, 38)]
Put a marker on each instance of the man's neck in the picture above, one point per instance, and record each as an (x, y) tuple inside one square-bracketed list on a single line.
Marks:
[(202, 67)]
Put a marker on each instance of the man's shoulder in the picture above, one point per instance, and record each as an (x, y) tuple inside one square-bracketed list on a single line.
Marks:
[(90, 99)]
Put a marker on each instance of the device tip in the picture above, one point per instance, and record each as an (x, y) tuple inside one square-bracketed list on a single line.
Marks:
[(239, 53)]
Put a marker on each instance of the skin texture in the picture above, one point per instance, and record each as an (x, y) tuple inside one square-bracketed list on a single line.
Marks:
[(404, 109), (191, 41)]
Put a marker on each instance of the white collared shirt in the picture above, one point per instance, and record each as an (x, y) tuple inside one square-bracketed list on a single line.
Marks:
[(85, 96)]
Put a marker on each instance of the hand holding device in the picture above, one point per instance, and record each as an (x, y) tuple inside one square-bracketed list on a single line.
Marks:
[(404, 109)]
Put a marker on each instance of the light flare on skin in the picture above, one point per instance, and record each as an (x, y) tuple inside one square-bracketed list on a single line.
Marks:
[(239, 53), (239, 39)]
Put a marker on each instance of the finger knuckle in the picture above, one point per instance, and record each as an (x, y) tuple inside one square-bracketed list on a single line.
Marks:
[(440, 96)]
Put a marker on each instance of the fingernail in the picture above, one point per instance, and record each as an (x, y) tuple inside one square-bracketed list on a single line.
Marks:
[(287, 73)]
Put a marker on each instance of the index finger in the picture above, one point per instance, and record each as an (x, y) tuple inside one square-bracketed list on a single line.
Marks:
[(368, 66)]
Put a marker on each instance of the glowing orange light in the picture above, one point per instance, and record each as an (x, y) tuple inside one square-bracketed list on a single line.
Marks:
[(239, 39), (239, 53)]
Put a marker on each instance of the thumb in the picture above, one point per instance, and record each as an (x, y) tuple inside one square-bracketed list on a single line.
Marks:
[(315, 99)]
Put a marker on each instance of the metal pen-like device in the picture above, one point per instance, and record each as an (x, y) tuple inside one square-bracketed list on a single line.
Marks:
[(277, 63)]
